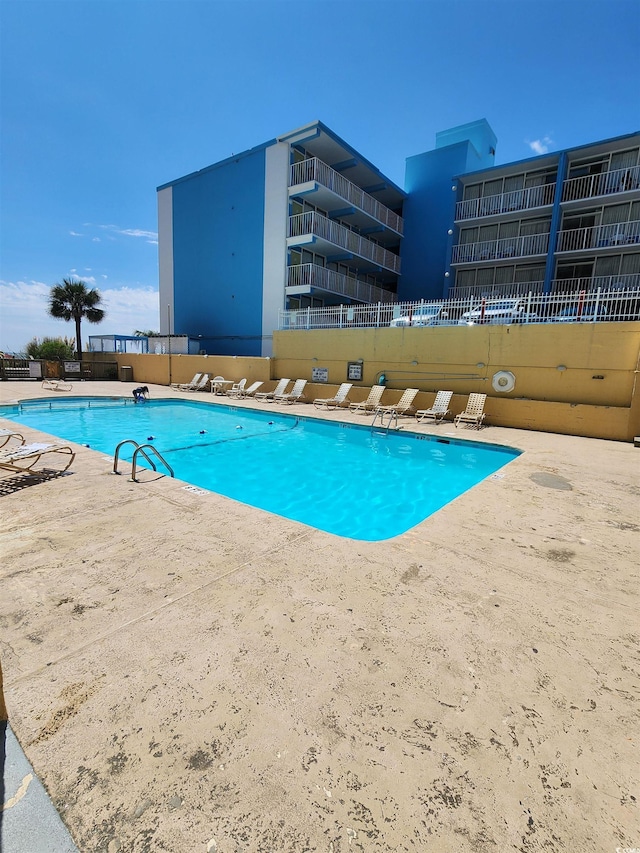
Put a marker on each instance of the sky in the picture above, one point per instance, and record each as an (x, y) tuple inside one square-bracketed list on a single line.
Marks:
[(102, 101)]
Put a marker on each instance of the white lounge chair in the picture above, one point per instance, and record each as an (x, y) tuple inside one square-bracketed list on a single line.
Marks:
[(267, 396), (439, 410), (371, 403), (7, 434), (200, 385), (334, 402), (186, 386), (21, 460), (56, 385), (251, 390), (404, 406), (295, 395), (474, 413), (237, 389)]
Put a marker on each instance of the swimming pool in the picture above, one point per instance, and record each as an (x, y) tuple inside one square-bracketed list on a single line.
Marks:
[(345, 479)]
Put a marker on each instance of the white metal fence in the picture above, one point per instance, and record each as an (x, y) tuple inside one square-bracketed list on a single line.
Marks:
[(570, 306)]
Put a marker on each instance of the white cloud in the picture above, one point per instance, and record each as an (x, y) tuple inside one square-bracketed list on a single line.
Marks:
[(75, 234), (151, 236), (96, 240), (24, 315), (541, 146)]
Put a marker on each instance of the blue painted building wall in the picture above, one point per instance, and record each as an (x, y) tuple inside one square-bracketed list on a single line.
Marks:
[(430, 206), (218, 226)]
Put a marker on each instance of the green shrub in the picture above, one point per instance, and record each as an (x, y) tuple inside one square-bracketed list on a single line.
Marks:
[(51, 348)]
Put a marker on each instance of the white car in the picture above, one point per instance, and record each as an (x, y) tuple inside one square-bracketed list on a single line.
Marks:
[(423, 315), (498, 311)]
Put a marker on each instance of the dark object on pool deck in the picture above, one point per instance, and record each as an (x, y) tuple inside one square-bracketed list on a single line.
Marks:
[(141, 394)]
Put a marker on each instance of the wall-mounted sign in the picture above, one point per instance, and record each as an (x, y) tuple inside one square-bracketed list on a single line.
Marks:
[(35, 370), (319, 374), (354, 371), (72, 367)]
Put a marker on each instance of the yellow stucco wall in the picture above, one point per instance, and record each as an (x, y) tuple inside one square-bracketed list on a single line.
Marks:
[(597, 394)]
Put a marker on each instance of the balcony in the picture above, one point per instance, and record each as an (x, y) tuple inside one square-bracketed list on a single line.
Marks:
[(608, 283), (600, 237), (508, 247), (339, 188), (304, 278), (491, 205), (606, 183), (327, 236)]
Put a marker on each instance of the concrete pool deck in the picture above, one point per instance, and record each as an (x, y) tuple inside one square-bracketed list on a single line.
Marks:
[(186, 673)]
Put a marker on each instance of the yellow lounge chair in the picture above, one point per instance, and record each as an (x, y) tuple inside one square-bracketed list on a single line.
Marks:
[(372, 402), (334, 402), (439, 410), (404, 406), (474, 413)]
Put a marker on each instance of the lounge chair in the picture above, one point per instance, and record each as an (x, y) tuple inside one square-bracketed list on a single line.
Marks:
[(295, 395), (186, 386), (267, 396), (334, 402), (237, 389), (474, 413), (439, 410), (251, 390), (404, 406), (371, 403), (21, 460), (7, 434), (56, 385), (200, 385)]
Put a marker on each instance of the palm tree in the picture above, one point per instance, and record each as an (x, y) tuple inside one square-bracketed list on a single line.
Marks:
[(73, 300)]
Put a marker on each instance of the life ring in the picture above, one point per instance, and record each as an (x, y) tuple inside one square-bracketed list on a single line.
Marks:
[(503, 381)]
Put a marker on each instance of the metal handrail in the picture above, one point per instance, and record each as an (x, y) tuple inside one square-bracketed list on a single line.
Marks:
[(141, 449), (116, 455)]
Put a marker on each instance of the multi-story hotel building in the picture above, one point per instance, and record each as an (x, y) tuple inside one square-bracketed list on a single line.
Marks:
[(558, 222), (303, 220), (306, 221)]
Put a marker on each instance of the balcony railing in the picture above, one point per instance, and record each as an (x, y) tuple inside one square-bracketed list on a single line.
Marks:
[(508, 247), (599, 237), (589, 186), (496, 291), (575, 301), (312, 275), (318, 225), (523, 199), (316, 170)]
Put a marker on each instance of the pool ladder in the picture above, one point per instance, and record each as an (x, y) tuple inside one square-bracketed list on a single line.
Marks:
[(380, 413), (140, 449)]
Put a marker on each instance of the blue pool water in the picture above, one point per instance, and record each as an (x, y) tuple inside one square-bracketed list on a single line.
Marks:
[(344, 479)]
